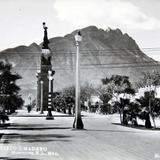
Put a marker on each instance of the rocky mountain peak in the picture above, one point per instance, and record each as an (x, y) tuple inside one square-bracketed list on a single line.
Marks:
[(113, 38), (90, 29)]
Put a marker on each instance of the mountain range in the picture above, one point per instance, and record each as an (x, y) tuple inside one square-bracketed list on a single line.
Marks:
[(103, 53)]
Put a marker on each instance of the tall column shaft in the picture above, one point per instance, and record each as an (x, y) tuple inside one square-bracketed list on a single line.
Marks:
[(38, 94), (41, 97)]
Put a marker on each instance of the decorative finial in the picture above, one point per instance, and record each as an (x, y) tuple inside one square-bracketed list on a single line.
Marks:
[(79, 33), (44, 26), (45, 39)]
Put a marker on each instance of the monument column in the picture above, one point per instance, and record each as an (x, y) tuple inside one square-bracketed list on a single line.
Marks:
[(45, 67)]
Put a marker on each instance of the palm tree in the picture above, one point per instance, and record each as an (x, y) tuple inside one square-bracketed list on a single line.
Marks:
[(118, 84), (150, 81)]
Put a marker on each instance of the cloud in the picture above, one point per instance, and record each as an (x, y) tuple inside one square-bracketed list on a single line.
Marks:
[(104, 13)]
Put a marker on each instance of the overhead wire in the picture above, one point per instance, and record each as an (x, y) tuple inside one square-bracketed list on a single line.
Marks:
[(94, 53), (90, 67)]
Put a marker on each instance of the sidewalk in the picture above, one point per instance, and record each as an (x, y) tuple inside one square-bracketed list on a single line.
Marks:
[(39, 139), (24, 113)]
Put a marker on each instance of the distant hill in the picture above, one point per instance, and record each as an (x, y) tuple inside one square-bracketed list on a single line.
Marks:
[(103, 53)]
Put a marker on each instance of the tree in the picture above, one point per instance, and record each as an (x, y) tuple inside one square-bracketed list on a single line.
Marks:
[(69, 98), (144, 110), (156, 108), (10, 100), (105, 96), (87, 90), (150, 81), (133, 111), (104, 93), (59, 103), (116, 85)]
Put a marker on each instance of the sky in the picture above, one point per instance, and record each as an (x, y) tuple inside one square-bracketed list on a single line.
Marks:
[(21, 20)]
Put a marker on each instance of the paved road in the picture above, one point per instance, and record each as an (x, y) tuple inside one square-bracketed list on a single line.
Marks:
[(35, 138)]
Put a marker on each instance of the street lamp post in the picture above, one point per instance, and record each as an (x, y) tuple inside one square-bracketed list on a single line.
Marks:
[(49, 114), (78, 124), (30, 99), (38, 91), (41, 97)]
